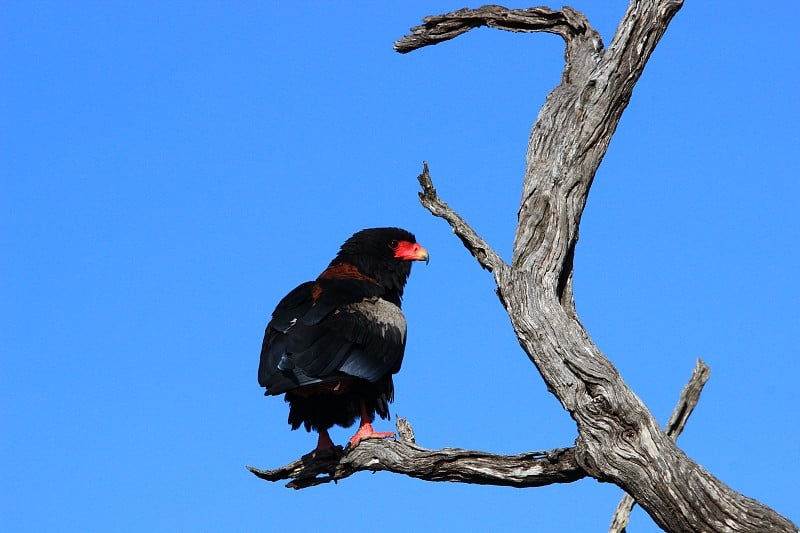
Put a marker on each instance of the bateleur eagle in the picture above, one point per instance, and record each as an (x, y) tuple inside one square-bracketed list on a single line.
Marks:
[(334, 343)]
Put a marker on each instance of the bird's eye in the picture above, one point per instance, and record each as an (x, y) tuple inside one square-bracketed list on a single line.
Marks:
[(393, 244)]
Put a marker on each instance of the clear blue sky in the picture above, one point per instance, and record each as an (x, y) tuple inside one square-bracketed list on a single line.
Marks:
[(170, 170)]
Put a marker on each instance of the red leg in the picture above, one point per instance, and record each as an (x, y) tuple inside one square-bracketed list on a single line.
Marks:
[(324, 441), (324, 445), (365, 430)]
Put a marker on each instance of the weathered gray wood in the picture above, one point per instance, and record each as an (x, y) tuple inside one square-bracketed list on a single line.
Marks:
[(531, 469), (440, 28), (689, 397), (619, 440), (488, 258)]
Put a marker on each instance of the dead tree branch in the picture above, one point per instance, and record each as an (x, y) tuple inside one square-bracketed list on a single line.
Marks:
[(689, 397), (619, 440), (531, 469), (440, 28), (480, 249)]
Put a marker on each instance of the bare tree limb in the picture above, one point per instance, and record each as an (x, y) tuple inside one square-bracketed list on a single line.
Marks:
[(618, 438), (531, 469), (440, 28), (689, 397), (480, 249)]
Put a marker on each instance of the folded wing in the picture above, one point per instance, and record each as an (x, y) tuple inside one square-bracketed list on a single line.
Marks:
[(329, 330)]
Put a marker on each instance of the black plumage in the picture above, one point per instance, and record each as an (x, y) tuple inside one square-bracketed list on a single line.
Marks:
[(333, 344)]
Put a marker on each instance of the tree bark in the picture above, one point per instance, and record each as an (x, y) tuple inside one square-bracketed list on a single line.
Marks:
[(690, 395), (531, 469), (619, 440)]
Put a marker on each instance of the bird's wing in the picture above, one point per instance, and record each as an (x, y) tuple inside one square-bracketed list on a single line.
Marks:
[(378, 330), (292, 307), (336, 328)]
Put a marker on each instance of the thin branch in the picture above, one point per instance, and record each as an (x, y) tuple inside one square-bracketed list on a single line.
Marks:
[(690, 395), (439, 28), (531, 469), (480, 249)]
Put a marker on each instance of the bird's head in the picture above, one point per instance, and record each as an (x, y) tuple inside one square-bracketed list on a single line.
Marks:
[(384, 254)]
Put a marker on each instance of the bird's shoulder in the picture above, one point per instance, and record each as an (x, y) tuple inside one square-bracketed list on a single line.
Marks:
[(339, 286), (292, 306)]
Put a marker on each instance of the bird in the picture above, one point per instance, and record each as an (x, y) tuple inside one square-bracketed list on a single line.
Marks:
[(333, 344)]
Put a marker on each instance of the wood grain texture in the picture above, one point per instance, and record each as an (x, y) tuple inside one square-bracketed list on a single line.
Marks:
[(690, 396), (619, 440), (531, 469)]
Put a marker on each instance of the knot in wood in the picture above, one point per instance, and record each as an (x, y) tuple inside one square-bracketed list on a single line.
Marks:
[(599, 404), (629, 435)]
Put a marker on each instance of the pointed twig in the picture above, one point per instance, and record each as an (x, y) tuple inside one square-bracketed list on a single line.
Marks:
[(480, 249)]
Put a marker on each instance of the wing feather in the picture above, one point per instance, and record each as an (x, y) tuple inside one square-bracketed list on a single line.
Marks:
[(322, 332)]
